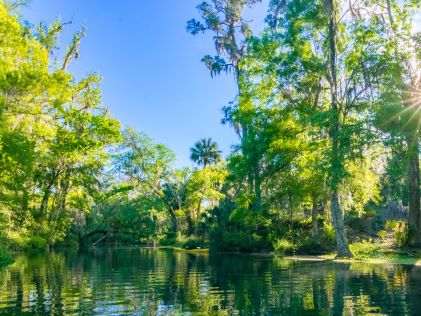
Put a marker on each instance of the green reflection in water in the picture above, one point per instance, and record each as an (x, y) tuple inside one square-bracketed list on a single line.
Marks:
[(160, 282)]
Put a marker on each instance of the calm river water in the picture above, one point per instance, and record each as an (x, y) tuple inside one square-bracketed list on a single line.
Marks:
[(141, 281)]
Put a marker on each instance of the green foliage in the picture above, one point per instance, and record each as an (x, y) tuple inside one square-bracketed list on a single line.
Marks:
[(205, 152), (401, 232), (382, 234), (239, 241), (190, 242), (391, 224), (323, 119), (284, 246), (329, 233), (54, 135), (36, 243), (5, 257), (366, 249)]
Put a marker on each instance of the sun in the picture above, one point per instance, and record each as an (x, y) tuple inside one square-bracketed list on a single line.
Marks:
[(412, 103)]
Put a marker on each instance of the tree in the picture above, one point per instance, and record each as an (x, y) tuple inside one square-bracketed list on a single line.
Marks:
[(54, 133), (146, 168), (231, 32), (205, 152), (204, 185), (398, 114), (225, 19)]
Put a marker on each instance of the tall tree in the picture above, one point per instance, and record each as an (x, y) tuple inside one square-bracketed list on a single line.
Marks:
[(205, 152), (398, 113), (225, 19)]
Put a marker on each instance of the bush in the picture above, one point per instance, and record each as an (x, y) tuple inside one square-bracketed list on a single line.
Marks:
[(390, 224), (239, 241), (167, 242), (168, 239), (310, 245), (401, 233), (230, 241), (36, 243), (329, 233), (283, 246), (191, 242), (5, 258), (365, 249)]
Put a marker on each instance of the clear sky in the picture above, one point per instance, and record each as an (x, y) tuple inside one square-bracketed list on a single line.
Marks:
[(153, 79)]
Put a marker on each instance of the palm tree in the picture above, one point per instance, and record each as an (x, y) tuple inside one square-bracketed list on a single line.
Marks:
[(205, 152)]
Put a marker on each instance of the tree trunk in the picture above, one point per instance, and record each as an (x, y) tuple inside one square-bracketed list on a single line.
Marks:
[(414, 215), (101, 239), (173, 217), (44, 203), (257, 191), (290, 210), (314, 223), (190, 226), (338, 224), (337, 164)]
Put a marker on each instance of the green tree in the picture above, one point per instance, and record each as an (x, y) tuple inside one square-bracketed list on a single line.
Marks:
[(205, 152), (398, 109)]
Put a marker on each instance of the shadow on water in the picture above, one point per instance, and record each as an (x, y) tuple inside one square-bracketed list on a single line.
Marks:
[(161, 282)]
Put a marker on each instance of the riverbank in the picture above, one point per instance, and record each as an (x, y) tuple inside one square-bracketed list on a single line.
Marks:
[(203, 251), (392, 259), (408, 258)]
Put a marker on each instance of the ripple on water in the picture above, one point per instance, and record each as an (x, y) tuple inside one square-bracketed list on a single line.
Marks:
[(153, 282)]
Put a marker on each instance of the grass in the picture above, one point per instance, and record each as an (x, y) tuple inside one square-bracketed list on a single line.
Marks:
[(386, 258), (395, 259)]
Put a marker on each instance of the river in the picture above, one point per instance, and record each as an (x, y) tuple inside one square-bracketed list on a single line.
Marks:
[(145, 281)]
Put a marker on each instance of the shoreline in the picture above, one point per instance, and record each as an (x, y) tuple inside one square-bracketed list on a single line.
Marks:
[(395, 258), (404, 260)]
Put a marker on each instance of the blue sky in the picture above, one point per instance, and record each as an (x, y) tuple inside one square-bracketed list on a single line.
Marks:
[(153, 79)]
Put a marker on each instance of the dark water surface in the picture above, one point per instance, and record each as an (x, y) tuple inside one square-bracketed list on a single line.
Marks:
[(161, 282)]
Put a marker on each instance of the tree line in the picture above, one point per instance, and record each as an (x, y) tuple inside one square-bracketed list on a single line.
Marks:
[(327, 118)]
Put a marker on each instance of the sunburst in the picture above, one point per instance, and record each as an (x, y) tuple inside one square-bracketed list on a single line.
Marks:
[(411, 104)]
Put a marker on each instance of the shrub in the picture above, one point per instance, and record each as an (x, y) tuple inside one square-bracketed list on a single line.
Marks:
[(167, 242), (283, 246), (365, 249), (401, 233), (240, 241), (390, 224), (191, 242), (5, 258), (168, 239), (382, 234), (231, 241), (36, 243), (329, 233), (16, 240), (310, 245)]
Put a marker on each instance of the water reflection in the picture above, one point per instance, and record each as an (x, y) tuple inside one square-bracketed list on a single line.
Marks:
[(161, 282)]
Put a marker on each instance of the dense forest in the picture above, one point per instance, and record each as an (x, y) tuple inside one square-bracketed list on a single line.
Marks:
[(327, 158)]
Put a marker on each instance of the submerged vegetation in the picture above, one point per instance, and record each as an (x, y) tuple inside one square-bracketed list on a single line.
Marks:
[(327, 117)]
